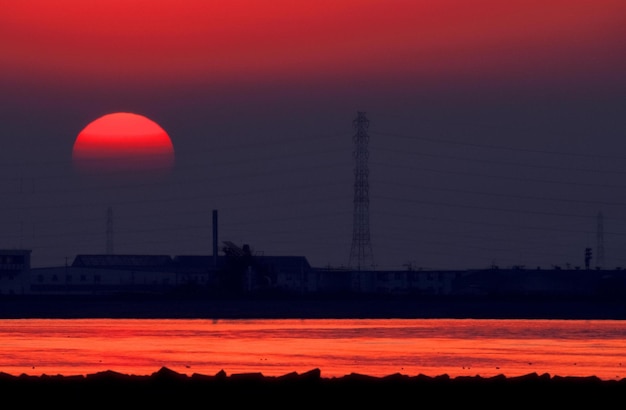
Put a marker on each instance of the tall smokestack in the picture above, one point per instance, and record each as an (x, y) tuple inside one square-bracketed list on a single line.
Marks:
[(215, 238)]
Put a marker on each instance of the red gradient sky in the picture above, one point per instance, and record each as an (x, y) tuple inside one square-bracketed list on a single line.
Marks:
[(497, 126), (281, 40)]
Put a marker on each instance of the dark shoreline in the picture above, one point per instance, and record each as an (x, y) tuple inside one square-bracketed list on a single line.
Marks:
[(310, 307), (410, 391)]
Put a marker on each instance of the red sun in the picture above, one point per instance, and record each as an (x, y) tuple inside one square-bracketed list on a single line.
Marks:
[(123, 142)]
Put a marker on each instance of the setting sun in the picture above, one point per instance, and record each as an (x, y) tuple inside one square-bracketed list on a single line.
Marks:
[(123, 142)]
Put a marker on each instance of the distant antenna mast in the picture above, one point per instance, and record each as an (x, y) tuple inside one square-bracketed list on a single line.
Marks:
[(361, 251), (109, 227), (600, 240)]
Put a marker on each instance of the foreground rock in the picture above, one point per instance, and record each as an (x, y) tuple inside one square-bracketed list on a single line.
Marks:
[(167, 387)]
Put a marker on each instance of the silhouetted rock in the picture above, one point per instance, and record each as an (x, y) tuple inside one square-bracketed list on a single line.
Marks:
[(247, 376), (202, 377), (396, 377), (5, 376), (107, 375), (221, 374), (289, 377), (167, 374), (313, 374), (295, 390)]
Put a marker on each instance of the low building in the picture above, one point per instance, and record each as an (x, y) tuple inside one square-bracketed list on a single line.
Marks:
[(289, 273), (106, 274), (14, 271)]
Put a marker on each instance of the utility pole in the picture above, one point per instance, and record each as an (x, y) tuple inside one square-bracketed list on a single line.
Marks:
[(361, 251), (600, 241), (588, 256)]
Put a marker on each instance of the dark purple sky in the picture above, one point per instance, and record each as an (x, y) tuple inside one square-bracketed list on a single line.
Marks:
[(497, 129)]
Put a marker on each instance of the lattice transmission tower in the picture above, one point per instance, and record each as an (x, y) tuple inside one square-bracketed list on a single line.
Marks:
[(109, 231), (361, 251)]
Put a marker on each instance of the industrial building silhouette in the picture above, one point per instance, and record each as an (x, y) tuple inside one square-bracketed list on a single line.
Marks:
[(238, 271)]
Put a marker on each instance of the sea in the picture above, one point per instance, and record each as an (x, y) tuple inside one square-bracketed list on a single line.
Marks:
[(337, 347)]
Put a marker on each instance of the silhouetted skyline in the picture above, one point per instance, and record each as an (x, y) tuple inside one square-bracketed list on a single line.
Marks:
[(497, 129)]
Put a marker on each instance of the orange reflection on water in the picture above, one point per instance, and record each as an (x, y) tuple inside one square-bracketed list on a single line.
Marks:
[(337, 347)]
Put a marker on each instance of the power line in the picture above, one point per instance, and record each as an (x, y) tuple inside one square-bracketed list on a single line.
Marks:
[(498, 147)]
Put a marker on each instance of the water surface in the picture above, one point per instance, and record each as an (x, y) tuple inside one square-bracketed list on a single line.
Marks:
[(378, 347)]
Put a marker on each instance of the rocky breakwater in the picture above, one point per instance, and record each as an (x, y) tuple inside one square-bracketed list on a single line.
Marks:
[(306, 390)]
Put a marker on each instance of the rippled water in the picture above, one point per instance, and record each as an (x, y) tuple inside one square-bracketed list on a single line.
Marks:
[(380, 347)]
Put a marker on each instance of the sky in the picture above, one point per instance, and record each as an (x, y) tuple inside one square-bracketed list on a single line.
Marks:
[(496, 128)]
